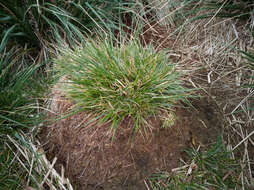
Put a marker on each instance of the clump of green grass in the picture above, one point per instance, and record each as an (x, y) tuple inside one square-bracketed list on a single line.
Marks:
[(121, 81), (20, 93), (18, 90), (214, 168), (35, 24)]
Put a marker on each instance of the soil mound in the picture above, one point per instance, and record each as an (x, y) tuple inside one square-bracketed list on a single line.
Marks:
[(92, 161)]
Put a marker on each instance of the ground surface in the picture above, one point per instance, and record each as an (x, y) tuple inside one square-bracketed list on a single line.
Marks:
[(92, 161)]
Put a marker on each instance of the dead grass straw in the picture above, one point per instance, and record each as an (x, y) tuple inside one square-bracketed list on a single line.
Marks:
[(40, 173)]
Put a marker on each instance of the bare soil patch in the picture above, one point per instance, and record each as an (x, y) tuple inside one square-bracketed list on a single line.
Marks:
[(92, 161)]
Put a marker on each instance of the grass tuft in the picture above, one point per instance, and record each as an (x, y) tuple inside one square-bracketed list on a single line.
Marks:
[(18, 87), (118, 82)]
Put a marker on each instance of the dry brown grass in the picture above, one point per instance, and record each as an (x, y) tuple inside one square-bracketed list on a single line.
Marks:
[(39, 170), (208, 52)]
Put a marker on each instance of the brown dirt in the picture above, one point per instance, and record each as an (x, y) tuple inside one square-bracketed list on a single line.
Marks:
[(92, 161)]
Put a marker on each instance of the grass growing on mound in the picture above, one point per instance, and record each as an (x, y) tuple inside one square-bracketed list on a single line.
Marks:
[(118, 82)]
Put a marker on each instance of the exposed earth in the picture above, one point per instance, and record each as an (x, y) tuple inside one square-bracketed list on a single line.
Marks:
[(92, 161)]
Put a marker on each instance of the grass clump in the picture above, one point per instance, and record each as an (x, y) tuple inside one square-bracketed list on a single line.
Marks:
[(118, 82), (35, 25), (21, 89), (18, 89)]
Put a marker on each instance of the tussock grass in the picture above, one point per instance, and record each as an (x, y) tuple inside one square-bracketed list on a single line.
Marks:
[(118, 82), (34, 23), (21, 87), (18, 87)]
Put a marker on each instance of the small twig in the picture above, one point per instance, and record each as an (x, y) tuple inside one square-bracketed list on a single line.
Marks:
[(147, 187), (215, 14), (250, 94), (49, 171), (180, 168), (193, 84), (31, 169), (246, 138), (39, 10)]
